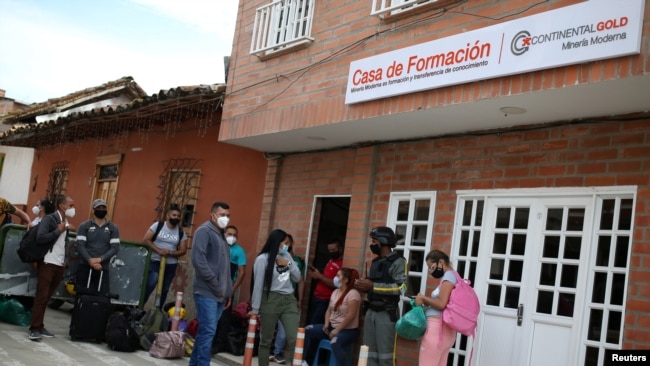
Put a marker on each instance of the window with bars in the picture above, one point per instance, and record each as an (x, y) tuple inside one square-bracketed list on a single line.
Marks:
[(282, 24), (386, 8), (179, 185), (58, 180)]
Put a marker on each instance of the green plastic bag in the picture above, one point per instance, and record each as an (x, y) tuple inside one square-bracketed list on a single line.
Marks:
[(413, 324), (13, 312)]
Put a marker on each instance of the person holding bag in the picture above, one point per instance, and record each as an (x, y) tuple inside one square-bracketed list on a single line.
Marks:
[(438, 338)]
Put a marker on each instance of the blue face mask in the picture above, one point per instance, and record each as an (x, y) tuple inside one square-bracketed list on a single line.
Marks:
[(284, 249), (337, 282)]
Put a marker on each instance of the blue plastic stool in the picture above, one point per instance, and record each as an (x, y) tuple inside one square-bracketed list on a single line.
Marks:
[(331, 360)]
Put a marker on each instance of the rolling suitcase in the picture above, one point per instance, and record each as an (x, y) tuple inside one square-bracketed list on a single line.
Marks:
[(90, 313)]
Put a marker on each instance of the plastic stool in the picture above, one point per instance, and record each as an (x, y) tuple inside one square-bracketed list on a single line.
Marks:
[(331, 360)]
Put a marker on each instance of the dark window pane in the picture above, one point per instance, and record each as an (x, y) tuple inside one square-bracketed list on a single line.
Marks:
[(503, 218), (613, 327), (554, 219), (600, 285), (551, 247), (500, 243), (514, 271), (569, 276), (602, 253), (493, 295), (472, 273), (512, 297), (572, 247), (620, 254), (464, 242), (496, 269), (547, 274), (400, 234), (576, 219), (625, 215), (413, 285), (422, 209), (403, 210), (595, 325), (419, 235), (518, 246), (108, 172), (607, 215), (478, 221), (475, 241), (618, 289), (565, 304), (521, 217), (461, 268), (591, 356), (467, 212), (416, 261), (545, 302)]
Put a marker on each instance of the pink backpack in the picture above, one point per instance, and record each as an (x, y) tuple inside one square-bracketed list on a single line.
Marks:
[(461, 312)]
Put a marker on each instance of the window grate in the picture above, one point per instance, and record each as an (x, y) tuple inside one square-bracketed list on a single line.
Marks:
[(282, 24), (58, 180), (179, 185)]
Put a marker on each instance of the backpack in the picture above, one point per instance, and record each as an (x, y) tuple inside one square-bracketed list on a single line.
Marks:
[(28, 250), (119, 335), (463, 308), (160, 226)]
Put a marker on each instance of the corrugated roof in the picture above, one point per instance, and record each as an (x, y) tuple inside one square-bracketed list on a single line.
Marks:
[(167, 106)]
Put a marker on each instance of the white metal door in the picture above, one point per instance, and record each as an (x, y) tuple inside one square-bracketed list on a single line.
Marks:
[(531, 279)]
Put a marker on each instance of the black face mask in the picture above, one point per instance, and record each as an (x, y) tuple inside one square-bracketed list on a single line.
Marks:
[(438, 272), (375, 249), (100, 214), (174, 222), (335, 255)]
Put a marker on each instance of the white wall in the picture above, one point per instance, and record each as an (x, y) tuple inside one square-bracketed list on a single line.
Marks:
[(16, 173)]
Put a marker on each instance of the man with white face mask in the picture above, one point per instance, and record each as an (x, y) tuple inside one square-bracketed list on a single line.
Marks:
[(53, 232), (237, 260), (212, 282)]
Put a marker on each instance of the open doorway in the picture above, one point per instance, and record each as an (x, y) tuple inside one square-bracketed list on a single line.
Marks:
[(329, 221)]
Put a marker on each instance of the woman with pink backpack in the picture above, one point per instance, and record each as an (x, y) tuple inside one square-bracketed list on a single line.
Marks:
[(439, 337)]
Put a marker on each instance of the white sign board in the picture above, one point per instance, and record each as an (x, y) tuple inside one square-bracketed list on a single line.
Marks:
[(589, 31)]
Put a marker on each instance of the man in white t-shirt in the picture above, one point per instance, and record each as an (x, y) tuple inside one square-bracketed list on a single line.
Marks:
[(166, 239)]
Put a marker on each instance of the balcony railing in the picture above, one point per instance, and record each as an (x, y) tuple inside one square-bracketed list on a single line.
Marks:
[(385, 8), (282, 24)]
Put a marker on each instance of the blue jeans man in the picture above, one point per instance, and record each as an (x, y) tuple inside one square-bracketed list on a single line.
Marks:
[(280, 342), (208, 312), (152, 280)]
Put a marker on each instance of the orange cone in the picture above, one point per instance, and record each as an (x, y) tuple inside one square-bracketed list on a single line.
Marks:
[(177, 310), (300, 347), (363, 356), (250, 340)]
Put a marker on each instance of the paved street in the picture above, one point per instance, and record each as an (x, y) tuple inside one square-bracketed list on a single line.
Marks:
[(17, 350)]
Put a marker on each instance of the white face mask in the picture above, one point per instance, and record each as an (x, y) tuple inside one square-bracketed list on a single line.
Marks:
[(36, 210), (337, 282), (70, 212), (231, 240), (223, 221)]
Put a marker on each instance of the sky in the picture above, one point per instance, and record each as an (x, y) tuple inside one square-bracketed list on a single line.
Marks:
[(51, 48)]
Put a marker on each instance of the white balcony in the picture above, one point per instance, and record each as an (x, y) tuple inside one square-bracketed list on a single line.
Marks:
[(386, 8), (283, 24)]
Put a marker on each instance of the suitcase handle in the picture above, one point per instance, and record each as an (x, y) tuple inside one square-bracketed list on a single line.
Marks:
[(101, 276)]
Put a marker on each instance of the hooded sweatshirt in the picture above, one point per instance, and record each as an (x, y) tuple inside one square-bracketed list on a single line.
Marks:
[(211, 261)]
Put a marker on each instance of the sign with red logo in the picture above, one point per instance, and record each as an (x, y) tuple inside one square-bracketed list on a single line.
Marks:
[(589, 31)]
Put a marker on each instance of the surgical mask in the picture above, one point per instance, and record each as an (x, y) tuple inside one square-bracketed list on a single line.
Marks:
[(100, 214), (174, 222), (335, 255), (223, 221), (375, 249), (70, 212), (284, 249), (36, 210), (231, 240), (337, 282), (438, 272)]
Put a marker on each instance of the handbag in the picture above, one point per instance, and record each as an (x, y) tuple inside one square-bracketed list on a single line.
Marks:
[(168, 345), (413, 324)]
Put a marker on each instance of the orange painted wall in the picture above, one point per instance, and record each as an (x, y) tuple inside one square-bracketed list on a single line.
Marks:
[(228, 173)]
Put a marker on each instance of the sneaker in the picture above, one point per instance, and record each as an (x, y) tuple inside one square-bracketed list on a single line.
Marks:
[(46, 334), (35, 336), (271, 358), (279, 360), (304, 363)]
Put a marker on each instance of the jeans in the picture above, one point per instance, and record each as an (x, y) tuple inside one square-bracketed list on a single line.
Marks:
[(49, 277), (319, 308), (280, 339), (341, 343), (152, 280), (208, 312)]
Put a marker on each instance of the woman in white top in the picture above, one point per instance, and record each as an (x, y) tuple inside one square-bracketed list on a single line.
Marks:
[(41, 208), (434, 347), (341, 320)]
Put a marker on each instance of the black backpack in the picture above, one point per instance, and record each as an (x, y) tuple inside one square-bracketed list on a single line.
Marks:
[(28, 250), (120, 335)]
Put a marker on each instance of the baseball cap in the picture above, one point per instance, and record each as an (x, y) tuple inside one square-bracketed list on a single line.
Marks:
[(99, 202)]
